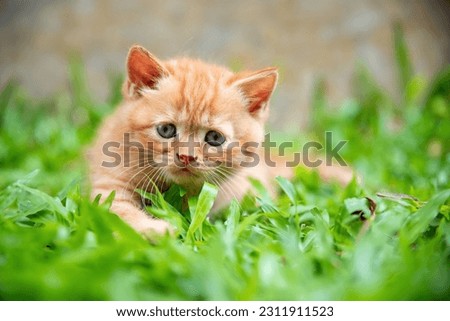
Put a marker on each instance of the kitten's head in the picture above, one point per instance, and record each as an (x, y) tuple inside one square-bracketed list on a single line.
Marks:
[(199, 121)]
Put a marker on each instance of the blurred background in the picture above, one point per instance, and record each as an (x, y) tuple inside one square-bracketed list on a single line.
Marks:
[(306, 39)]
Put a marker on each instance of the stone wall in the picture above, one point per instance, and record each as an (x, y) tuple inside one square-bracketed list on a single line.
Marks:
[(306, 39)]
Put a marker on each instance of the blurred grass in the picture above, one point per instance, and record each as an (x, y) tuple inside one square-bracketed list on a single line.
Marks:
[(315, 241)]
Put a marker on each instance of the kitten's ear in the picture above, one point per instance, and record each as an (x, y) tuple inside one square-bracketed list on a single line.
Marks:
[(144, 71), (257, 88)]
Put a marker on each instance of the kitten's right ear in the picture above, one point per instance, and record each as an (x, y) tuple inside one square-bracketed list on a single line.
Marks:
[(144, 71), (257, 88)]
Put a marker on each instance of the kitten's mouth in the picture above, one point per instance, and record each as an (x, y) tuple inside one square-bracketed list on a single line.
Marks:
[(185, 171), (184, 175)]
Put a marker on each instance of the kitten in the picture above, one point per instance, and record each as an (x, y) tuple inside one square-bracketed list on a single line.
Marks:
[(182, 121)]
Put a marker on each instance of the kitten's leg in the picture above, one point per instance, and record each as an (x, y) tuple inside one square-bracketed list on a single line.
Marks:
[(138, 219), (341, 174), (127, 208), (334, 172)]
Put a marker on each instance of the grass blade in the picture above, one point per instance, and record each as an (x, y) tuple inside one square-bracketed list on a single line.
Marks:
[(202, 208), (419, 222)]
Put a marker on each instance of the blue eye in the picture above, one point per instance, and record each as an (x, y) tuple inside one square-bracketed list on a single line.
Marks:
[(167, 130), (214, 138)]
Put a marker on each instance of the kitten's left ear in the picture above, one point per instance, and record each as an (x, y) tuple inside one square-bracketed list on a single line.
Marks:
[(144, 71), (257, 88)]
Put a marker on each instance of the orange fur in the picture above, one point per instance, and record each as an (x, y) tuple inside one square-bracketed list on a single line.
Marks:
[(196, 97)]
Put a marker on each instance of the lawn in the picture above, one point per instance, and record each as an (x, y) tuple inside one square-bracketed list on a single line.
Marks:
[(384, 237)]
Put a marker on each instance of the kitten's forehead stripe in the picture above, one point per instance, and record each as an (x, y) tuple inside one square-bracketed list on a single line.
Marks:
[(199, 87)]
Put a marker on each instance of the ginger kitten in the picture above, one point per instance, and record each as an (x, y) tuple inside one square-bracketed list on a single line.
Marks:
[(182, 121)]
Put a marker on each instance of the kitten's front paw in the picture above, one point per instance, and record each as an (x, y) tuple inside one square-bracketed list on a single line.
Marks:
[(140, 220), (150, 227)]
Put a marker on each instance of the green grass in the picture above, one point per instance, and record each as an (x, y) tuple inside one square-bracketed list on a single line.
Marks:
[(315, 241)]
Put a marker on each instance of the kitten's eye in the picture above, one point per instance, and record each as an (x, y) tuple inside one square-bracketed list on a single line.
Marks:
[(214, 138), (167, 130)]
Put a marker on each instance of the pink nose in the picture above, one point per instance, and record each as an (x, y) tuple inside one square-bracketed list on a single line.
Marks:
[(186, 159)]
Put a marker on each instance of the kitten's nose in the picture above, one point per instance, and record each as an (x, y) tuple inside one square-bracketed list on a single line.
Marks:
[(186, 159)]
